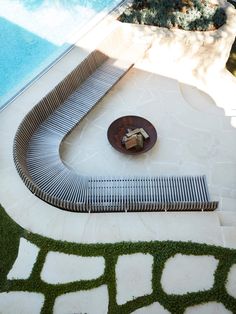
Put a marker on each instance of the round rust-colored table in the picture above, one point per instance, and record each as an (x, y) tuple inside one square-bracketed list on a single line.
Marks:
[(119, 127)]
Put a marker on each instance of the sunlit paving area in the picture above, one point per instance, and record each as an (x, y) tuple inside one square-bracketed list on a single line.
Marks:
[(128, 253)]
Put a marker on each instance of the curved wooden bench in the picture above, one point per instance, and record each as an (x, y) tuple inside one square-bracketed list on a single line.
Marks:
[(37, 152)]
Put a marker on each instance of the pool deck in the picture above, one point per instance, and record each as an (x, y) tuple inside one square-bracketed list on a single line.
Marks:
[(194, 137)]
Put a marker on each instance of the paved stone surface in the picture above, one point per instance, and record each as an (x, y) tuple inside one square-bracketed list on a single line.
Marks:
[(27, 255), (208, 308), (21, 302), (228, 204), (231, 281), (110, 228), (188, 273), (227, 218), (224, 173), (87, 301), (133, 276), (229, 236), (174, 129), (64, 268), (181, 121), (154, 308)]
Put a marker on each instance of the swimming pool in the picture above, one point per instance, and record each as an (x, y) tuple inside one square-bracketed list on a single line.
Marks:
[(40, 32)]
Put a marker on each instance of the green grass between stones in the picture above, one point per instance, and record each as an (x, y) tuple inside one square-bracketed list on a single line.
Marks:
[(160, 250)]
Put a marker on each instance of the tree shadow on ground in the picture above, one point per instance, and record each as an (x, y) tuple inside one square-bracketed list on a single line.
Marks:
[(231, 63)]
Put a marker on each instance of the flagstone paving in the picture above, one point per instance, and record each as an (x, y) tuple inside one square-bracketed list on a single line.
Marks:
[(21, 302), (133, 276), (176, 126), (188, 273), (191, 140), (208, 308), (148, 276), (24, 263), (154, 308), (63, 268), (89, 301), (231, 281)]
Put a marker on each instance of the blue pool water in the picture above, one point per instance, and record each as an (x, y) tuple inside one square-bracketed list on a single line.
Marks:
[(33, 33)]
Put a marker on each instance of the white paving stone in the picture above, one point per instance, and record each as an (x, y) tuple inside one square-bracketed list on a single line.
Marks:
[(224, 173), (228, 204), (188, 273), (64, 268), (229, 236), (208, 308), (111, 228), (93, 301), (27, 255), (133, 276), (154, 308), (19, 302), (227, 218), (231, 281)]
